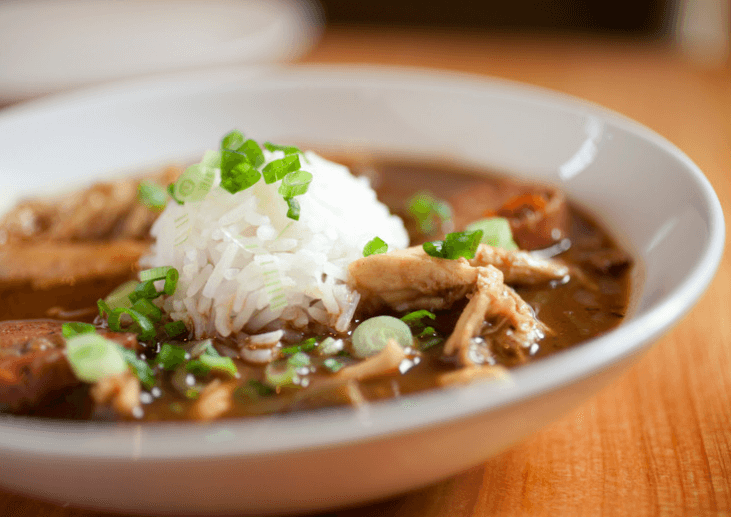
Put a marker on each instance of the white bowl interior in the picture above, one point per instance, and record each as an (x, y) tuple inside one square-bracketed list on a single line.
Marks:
[(650, 195)]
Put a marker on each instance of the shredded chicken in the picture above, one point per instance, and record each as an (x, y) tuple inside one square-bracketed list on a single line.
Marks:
[(215, 399), (410, 279), (104, 211), (516, 327), (121, 392), (385, 361), (520, 267), (49, 264)]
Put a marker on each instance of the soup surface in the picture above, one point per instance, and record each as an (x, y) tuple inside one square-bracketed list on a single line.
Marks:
[(58, 259)]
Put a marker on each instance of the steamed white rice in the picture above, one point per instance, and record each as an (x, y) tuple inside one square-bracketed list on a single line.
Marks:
[(243, 264)]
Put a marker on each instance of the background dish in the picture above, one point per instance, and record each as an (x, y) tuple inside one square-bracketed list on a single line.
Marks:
[(95, 41), (623, 172)]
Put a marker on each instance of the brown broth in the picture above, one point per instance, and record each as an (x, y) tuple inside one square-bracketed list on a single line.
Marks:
[(574, 311)]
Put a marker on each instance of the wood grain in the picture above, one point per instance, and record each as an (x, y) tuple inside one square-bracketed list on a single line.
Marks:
[(657, 441)]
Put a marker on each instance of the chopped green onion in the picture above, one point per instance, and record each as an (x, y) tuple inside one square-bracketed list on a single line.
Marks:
[(495, 232), (144, 291), (333, 364), (429, 343), (278, 169), (279, 373), (293, 212), (171, 193), (375, 246), (175, 328), (261, 389), (330, 346), (306, 346), (417, 316), (152, 195), (120, 296), (288, 149), (156, 273), (170, 356), (299, 359), (204, 347), (253, 153), (75, 328), (148, 309), (197, 180), (93, 357), (171, 281), (295, 184), (237, 172), (207, 363), (103, 307), (427, 211), (145, 329), (455, 245), (233, 140), (253, 390), (371, 336), (428, 331), (139, 367)]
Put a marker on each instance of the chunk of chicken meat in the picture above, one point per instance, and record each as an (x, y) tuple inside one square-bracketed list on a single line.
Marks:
[(512, 323), (410, 279)]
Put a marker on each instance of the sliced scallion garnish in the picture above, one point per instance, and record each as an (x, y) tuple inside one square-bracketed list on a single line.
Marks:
[(295, 184), (75, 328), (430, 213), (299, 359), (332, 364), (197, 180), (156, 273), (207, 363), (455, 245), (144, 291), (152, 195), (417, 316), (375, 246), (253, 153), (139, 367), (237, 171), (496, 232), (278, 169), (306, 346), (93, 357), (287, 149), (280, 373), (120, 296), (233, 140), (175, 328), (293, 210), (171, 281), (170, 356), (145, 329), (372, 335), (148, 309), (171, 193)]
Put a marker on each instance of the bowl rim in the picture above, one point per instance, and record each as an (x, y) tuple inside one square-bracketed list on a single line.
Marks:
[(342, 426)]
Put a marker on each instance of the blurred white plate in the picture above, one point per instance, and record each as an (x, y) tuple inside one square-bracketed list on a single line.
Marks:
[(52, 45), (646, 190)]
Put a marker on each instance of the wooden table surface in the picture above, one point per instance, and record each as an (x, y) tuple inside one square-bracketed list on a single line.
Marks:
[(657, 441)]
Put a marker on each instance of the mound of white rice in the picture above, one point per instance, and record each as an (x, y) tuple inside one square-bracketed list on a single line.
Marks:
[(243, 263)]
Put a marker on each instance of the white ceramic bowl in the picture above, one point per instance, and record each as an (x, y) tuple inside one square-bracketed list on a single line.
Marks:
[(646, 190)]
